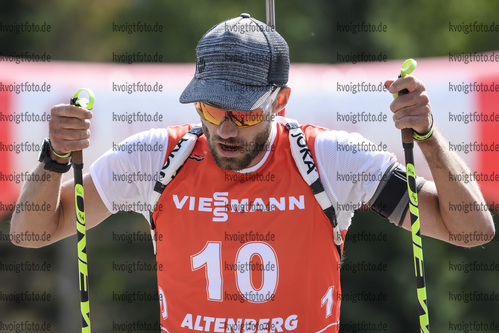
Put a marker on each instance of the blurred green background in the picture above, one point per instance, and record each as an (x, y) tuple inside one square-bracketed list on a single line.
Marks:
[(82, 31)]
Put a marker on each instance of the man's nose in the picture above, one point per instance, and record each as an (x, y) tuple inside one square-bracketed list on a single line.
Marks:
[(226, 130)]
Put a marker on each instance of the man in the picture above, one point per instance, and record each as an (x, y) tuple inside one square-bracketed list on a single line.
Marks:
[(246, 246)]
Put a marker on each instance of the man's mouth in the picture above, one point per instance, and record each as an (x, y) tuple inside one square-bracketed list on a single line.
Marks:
[(229, 149)]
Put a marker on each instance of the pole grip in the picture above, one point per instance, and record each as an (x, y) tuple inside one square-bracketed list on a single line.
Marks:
[(77, 157), (407, 135), (406, 132)]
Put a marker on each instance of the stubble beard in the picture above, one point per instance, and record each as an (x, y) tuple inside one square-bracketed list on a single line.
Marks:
[(248, 153)]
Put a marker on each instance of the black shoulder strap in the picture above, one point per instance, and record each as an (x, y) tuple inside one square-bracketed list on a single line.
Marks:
[(173, 164), (308, 170)]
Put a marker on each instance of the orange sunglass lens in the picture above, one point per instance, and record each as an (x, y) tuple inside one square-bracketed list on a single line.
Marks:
[(245, 118), (238, 118), (209, 113)]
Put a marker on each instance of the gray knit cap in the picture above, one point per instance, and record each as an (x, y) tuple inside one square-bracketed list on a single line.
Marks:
[(238, 63)]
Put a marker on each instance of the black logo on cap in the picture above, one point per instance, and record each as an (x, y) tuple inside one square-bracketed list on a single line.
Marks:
[(200, 64)]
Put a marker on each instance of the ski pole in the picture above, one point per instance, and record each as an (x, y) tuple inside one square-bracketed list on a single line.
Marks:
[(77, 161), (417, 244), (270, 15), (270, 12)]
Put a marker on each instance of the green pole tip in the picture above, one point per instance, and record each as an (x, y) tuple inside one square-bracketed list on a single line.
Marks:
[(83, 102), (408, 67)]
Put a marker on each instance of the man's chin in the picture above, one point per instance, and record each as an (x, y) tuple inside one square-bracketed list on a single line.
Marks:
[(232, 163)]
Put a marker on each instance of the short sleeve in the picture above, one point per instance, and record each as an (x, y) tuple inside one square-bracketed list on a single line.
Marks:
[(351, 169), (125, 175)]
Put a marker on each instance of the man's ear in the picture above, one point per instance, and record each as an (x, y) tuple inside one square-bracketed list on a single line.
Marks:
[(282, 99)]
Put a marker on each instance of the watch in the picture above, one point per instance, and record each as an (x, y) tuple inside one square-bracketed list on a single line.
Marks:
[(50, 164)]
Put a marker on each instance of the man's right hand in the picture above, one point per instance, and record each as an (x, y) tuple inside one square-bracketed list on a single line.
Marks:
[(69, 129)]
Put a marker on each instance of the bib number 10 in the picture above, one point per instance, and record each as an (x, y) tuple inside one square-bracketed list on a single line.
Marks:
[(210, 258)]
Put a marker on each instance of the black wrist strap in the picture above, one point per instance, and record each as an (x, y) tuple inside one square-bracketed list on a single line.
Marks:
[(48, 163), (57, 167)]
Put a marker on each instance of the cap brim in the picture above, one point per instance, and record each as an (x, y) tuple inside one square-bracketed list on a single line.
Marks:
[(229, 94)]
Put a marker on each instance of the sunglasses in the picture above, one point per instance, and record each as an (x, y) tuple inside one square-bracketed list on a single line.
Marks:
[(216, 114)]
